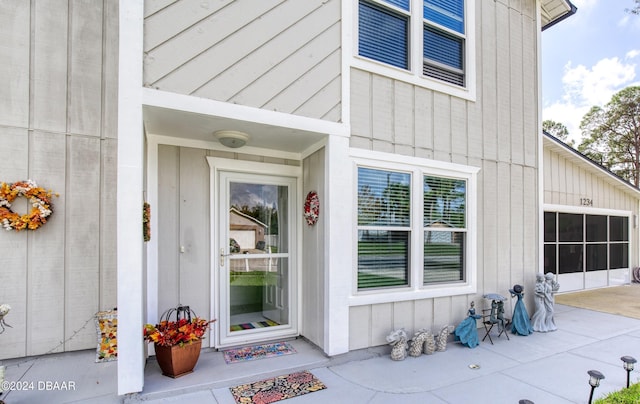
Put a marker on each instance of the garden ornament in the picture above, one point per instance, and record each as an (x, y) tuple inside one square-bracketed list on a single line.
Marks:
[(417, 343), (495, 296), (398, 340), (467, 331), (443, 335), (520, 323), (4, 310), (429, 343), (545, 289)]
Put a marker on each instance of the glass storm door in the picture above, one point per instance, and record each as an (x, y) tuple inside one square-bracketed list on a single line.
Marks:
[(256, 257)]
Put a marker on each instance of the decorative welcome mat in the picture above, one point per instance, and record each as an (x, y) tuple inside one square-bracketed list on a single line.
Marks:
[(252, 325), (250, 353), (276, 389)]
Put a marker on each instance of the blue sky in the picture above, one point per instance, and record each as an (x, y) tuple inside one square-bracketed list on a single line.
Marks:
[(587, 58)]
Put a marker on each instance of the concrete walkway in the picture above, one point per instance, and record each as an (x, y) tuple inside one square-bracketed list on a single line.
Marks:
[(546, 368)]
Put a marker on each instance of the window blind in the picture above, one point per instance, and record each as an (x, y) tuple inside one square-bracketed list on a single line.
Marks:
[(443, 48), (403, 4), (447, 13), (383, 35), (444, 202), (384, 215), (384, 198)]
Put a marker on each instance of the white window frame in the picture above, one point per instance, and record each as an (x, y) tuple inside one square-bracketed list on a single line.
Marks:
[(419, 167), (416, 58)]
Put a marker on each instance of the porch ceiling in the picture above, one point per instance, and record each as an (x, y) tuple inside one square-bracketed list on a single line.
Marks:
[(200, 127)]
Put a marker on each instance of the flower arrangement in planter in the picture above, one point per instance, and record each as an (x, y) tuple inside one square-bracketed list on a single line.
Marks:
[(177, 341)]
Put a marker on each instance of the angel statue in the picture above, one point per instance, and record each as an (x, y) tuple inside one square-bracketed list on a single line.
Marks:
[(4, 310)]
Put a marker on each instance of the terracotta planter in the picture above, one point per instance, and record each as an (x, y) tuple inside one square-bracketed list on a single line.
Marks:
[(176, 361)]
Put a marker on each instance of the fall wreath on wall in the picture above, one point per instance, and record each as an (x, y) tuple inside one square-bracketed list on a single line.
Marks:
[(39, 198), (312, 208)]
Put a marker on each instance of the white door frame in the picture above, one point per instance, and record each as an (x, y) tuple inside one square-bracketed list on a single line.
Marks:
[(221, 164)]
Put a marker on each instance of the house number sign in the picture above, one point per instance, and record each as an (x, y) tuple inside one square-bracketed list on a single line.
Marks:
[(586, 202)]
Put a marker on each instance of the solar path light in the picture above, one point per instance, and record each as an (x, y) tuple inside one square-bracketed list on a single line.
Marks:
[(594, 381), (627, 363)]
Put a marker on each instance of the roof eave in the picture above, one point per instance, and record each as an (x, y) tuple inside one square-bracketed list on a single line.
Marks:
[(558, 15)]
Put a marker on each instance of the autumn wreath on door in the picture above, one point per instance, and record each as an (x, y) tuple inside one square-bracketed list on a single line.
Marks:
[(311, 208), (39, 199)]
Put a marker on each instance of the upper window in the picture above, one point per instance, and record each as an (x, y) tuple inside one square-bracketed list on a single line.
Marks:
[(387, 34), (395, 214)]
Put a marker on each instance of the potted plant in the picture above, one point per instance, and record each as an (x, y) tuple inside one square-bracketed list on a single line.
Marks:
[(177, 340)]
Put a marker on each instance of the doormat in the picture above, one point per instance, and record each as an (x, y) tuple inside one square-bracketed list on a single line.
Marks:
[(276, 389), (252, 325), (250, 353)]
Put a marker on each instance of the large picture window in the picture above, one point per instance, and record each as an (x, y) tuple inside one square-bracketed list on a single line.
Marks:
[(576, 242), (395, 213), (386, 35)]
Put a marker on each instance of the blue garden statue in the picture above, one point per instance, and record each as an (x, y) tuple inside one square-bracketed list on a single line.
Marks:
[(520, 323), (467, 331)]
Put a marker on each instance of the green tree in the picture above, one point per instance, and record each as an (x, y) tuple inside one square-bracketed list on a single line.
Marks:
[(611, 134), (369, 206), (557, 130), (444, 199), (397, 201)]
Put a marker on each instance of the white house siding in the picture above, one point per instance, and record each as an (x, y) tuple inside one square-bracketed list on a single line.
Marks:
[(58, 128), (273, 54), (183, 221), (312, 272), (497, 132)]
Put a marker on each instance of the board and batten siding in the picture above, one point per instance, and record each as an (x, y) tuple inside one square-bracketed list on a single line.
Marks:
[(567, 183), (273, 54), (312, 272), (497, 132), (183, 224), (58, 127)]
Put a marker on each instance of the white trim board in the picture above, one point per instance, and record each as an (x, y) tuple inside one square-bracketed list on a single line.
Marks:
[(188, 103)]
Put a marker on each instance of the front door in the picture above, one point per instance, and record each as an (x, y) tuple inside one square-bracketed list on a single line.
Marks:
[(256, 257)]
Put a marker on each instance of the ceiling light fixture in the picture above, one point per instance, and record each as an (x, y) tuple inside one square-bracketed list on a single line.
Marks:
[(232, 138)]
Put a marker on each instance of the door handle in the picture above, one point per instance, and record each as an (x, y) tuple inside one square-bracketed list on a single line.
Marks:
[(222, 255)]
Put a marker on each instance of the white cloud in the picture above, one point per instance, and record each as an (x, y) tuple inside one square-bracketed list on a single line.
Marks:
[(632, 54), (624, 21), (586, 87), (629, 21), (568, 114)]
